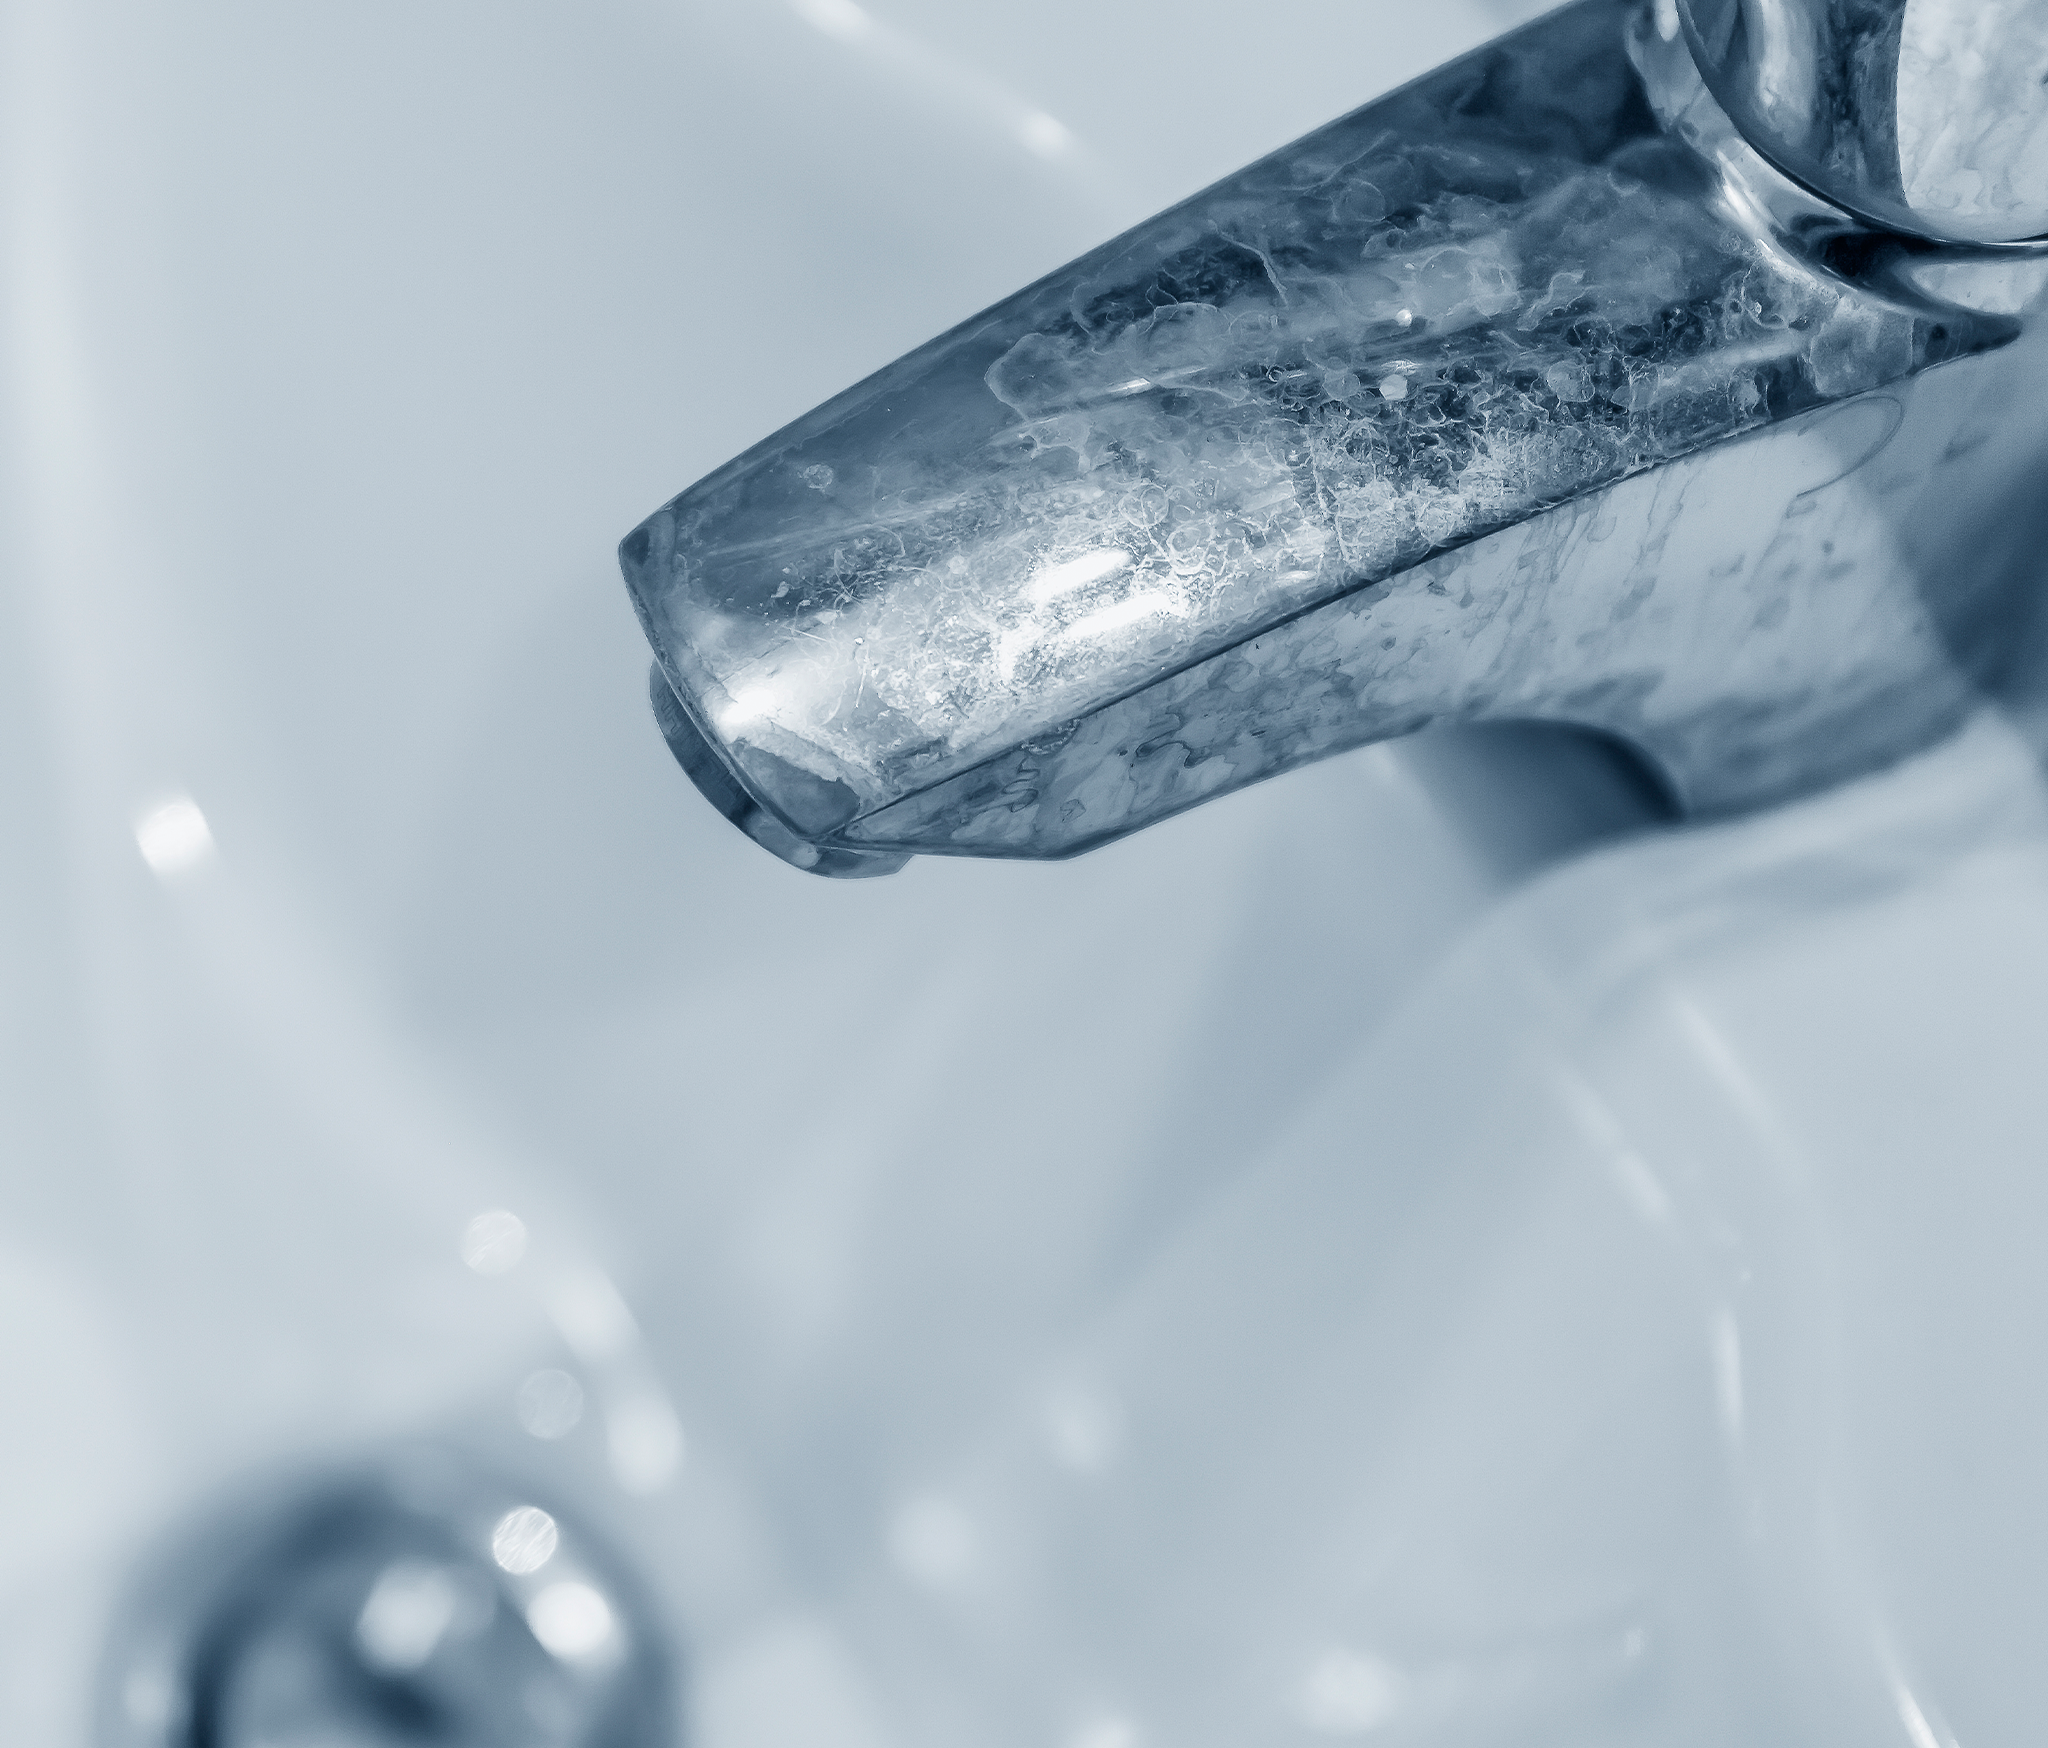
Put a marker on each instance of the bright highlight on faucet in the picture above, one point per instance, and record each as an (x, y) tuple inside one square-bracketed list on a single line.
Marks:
[(749, 705), (1118, 614), (1076, 573)]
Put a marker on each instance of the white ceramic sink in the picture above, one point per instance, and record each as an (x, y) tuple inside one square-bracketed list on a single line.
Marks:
[(1302, 1272)]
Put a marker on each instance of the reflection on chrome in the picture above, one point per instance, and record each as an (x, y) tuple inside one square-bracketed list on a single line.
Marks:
[(390, 1608), (1928, 116), (1076, 573)]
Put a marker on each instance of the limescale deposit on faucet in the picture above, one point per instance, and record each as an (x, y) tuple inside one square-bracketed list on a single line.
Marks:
[(1487, 294)]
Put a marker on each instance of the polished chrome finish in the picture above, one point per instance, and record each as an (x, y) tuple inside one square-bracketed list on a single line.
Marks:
[(418, 1601), (1532, 392), (1925, 116)]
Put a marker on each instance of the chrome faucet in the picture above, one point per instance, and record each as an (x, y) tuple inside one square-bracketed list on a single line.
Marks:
[(1666, 371)]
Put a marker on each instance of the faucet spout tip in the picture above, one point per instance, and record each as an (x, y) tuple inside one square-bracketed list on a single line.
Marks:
[(717, 784)]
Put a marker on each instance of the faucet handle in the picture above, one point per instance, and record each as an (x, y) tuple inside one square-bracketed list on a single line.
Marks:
[(1928, 117)]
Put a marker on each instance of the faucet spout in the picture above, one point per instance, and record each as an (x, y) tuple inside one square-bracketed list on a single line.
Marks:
[(1529, 392)]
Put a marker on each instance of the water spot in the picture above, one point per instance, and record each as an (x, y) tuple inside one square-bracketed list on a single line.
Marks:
[(524, 1540), (933, 1541), (572, 1621), (494, 1242), (549, 1404), (174, 838), (1347, 1693), (842, 19), (1044, 136)]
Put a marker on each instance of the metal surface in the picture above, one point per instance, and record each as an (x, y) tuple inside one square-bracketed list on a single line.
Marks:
[(1285, 1279), (1527, 393), (417, 1600), (1925, 116)]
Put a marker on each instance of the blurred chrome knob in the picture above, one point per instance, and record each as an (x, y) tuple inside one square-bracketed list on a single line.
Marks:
[(427, 1604), (1925, 116)]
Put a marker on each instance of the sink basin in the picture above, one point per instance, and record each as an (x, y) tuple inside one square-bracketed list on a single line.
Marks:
[(1420, 1250)]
